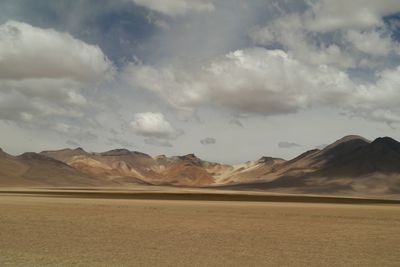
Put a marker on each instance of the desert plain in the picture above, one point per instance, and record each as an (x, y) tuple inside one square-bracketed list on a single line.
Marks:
[(180, 228)]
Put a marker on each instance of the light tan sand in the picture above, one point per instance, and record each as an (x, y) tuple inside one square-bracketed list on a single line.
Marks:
[(57, 231)]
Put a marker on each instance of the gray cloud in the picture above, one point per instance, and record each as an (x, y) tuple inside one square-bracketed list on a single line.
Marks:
[(38, 90), (208, 141), (236, 122), (177, 7), (157, 142), (327, 15), (22, 47), (285, 144), (121, 142)]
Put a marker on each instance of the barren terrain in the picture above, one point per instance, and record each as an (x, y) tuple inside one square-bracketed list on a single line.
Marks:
[(71, 230)]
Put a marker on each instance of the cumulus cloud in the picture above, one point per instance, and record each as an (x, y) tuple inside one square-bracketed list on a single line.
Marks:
[(254, 80), (208, 141), (43, 77), (379, 101), (285, 144), (38, 100), (178, 88), (291, 33), (372, 42), (334, 33), (157, 130), (327, 15), (177, 7), (270, 82), (28, 52)]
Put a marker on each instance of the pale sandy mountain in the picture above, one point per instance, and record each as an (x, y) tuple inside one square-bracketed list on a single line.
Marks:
[(187, 170), (260, 170), (119, 166), (124, 167), (64, 154)]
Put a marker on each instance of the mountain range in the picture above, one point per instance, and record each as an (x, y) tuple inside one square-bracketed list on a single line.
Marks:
[(350, 165)]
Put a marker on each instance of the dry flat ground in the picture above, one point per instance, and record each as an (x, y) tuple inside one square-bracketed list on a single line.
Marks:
[(38, 230)]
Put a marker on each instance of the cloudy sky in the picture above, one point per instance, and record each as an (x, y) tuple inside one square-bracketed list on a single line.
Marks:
[(228, 80)]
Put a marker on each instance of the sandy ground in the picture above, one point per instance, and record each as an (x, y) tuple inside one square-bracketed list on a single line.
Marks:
[(60, 231)]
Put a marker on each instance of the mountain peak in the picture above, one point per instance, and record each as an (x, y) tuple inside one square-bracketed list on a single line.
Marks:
[(347, 139), (386, 140), (268, 160), (79, 149), (388, 143), (351, 138), (190, 156), (116, 152), (33, 156)]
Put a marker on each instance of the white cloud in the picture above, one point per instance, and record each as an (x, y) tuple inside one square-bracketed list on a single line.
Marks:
[(43, 74), (328, 15), (270, 82), (290, 32), (379, 101), (28, 52), (177, 7), (40, 101), (178, 88), (372, 42), (254, 80), (340, 34), (154, 126)]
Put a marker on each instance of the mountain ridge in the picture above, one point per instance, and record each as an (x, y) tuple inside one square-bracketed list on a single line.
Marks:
[(350, 164)]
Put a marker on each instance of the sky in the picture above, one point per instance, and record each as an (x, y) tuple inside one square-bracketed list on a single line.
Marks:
[(228, 80)]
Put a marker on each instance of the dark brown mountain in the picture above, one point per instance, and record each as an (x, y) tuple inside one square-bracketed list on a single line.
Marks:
[(350, 165)]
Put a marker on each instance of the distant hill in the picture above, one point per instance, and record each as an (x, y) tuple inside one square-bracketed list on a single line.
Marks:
[(32, 169), (351, 165)]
